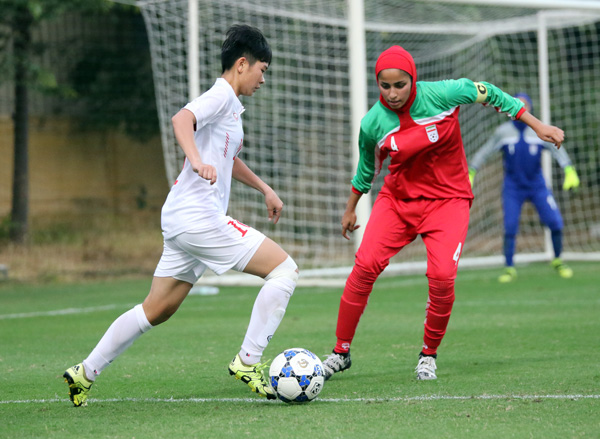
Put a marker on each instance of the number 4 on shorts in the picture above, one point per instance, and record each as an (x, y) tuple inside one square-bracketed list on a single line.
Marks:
[(456, 256)]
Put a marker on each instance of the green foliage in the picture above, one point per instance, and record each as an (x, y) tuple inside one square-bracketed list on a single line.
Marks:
[(57, 233), (5, 226), (113, 78), (38, 10), (511, 365), (48, 9), (110, 81)]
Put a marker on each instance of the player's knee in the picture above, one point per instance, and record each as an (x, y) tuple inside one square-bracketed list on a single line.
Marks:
[(555, 226), (285, 275), (369, 266), (287, 269), (442, 275)]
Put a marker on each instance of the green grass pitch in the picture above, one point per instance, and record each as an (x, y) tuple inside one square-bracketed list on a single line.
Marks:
[(519, 360)]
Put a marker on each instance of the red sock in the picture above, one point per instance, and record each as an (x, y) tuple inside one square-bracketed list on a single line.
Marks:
[(439, 307), (352, 304)]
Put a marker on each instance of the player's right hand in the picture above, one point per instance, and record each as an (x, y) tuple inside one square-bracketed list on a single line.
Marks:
[(207, 172), (349, 223), (274, 205)]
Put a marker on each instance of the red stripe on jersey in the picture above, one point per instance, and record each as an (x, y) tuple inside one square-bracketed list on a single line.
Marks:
[(226, 144)]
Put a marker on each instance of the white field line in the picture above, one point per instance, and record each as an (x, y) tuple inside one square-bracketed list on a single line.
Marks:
[(62, 312), (321, 400), (459, 303)]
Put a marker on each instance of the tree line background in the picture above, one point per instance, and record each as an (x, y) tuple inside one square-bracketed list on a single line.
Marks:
[(81, 66)]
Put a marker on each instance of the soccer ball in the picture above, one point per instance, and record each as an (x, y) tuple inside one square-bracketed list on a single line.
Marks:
[(297, 375)]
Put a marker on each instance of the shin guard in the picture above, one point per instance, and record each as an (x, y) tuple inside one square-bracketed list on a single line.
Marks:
[(439, 308)]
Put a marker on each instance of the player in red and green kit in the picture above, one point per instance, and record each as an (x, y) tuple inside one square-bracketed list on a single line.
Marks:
[(427, 191)]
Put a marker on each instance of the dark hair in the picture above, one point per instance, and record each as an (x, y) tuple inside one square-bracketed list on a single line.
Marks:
[(242, 40)]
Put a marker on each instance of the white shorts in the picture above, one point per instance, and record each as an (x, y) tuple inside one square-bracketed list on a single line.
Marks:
[(226, 244)]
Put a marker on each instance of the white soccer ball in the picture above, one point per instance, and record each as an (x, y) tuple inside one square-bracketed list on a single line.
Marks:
[(297, 375)]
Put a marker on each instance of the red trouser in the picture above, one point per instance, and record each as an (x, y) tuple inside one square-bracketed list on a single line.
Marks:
[(393, 224)]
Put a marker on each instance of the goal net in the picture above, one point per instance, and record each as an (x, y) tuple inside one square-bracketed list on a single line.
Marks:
[(298, 134)]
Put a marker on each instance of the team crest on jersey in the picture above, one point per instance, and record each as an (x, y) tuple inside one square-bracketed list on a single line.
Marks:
[(432, 133), (533, 149)]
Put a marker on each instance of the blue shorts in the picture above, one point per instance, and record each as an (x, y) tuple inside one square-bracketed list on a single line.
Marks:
[(541, 198)]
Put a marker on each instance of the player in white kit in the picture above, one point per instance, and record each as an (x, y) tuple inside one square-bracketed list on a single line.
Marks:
[(198, 234)]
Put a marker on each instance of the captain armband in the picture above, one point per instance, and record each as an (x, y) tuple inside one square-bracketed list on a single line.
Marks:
[(482, 92)]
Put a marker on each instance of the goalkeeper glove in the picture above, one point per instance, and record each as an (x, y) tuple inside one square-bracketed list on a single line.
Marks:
[(571, 178), (472, 173)]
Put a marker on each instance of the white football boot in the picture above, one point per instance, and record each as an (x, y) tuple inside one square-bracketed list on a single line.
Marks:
[(336, 363), (426, 368)]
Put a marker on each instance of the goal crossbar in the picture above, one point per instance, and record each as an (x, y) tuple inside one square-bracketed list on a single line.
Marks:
[(533, 4)]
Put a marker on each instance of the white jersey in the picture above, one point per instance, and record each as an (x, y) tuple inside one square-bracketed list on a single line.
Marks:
[(193, 201)]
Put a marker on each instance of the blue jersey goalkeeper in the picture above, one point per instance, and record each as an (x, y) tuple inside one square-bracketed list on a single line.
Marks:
[(523, 181)]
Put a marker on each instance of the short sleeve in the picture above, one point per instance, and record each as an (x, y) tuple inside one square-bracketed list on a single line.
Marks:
[(208, 107)]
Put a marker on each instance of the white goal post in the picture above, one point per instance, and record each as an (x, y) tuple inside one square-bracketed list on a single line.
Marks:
[(300, 128)]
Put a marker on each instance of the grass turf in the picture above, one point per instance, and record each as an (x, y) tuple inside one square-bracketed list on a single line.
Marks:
[(519, 360)]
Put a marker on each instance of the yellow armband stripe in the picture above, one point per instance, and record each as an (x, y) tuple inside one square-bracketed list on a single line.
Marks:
[(482, 92)]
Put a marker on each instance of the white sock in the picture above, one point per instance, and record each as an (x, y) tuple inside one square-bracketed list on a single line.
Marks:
[(119, 336), (267, 313)]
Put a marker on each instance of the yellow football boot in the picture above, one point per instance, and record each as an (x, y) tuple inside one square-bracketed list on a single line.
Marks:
[(510, 274), (79, 385), (563, 270), (253, 376)]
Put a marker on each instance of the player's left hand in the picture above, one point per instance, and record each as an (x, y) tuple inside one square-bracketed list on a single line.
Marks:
[(571, 178), (552, 134), (274, 206)]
